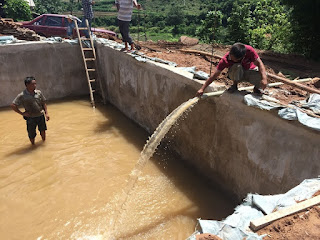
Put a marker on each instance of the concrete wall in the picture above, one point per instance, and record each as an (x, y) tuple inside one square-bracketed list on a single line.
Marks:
[(240, 148), (57, 67)]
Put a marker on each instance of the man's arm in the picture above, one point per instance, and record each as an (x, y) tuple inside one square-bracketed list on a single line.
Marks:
[(262, 71), (16, 109), (44, 106), (117, 5), (135, 3), (208, 82)]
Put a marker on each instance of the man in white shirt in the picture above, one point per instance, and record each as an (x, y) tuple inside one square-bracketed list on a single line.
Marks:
[(124, 8)]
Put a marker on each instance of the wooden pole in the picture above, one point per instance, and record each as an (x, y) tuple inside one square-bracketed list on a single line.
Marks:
[(294, 84), (201, 53)]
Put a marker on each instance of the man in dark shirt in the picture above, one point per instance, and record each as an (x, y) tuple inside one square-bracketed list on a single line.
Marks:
[(87, 14), (34, 103)]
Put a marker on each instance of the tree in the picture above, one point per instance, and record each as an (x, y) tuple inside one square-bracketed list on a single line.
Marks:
[(210, 27), (240, 22), (175, 16), (306, 28), (19, 10), (271, 27), (263, 24), (49, 6)]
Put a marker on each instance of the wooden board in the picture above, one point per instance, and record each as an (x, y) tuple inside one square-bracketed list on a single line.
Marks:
[(259, 223)]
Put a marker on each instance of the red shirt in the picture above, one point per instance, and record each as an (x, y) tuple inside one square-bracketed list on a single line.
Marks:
[(247, 61)]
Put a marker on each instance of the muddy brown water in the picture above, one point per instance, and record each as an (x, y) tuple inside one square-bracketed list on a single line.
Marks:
[(69, 186)]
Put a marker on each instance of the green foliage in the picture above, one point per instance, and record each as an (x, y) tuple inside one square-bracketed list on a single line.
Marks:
[(279, 25), (19, 10), (104, 21), (263, 24), (211, 27), (175, 16), (104, 6), (72, 5), (240, 22), (49, 6), (306, 28)]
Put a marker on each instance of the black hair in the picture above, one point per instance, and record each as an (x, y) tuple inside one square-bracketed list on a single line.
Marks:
[(28, 80), (238, 50)]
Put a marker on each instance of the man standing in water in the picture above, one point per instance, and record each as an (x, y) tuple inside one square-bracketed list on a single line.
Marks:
[(34, 103), (244, 65)]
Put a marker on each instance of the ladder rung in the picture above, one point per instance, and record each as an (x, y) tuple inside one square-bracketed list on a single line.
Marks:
[(93, 91), (89, 59), (91, 69), (83, 39), (92, 80), (87, 49), (82, 28)]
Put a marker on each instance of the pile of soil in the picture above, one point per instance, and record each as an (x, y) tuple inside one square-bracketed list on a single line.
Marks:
[(283, 65), (303, 225), (8, 27)]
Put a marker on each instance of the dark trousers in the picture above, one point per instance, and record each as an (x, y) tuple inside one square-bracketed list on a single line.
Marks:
[(83, 24), (124, 30), (33, 122)]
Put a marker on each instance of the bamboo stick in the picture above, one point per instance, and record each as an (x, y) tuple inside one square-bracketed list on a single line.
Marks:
[(201, 53), (294, 84)]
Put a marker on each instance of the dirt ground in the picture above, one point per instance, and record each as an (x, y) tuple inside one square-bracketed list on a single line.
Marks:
[(292, 66), (303, 225)]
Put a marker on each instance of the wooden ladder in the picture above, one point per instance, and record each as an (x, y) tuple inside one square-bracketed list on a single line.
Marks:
[(88, 50)]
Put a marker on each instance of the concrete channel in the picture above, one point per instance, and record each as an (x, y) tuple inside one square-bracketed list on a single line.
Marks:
[(239, 148)]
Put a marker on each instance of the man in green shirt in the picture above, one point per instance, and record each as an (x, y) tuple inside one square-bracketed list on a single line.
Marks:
[(34, 104)]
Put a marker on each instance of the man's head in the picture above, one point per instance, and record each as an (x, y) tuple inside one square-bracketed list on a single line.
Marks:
[(237, 52), (69, 18), (30, 83)]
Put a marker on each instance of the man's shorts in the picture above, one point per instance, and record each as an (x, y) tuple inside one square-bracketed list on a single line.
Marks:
[(33, 122), (238, 74)]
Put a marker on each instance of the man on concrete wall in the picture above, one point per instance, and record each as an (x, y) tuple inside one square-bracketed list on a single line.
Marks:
[(1, 8), (125, 8), (87, 14), (34, 104), (244, 65)]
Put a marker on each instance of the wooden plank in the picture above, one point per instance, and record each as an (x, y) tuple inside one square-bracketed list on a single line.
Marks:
[(259, 223), (201, 53), (294, 84)]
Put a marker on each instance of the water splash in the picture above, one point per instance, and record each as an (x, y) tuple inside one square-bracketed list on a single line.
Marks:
[(147, 152)]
